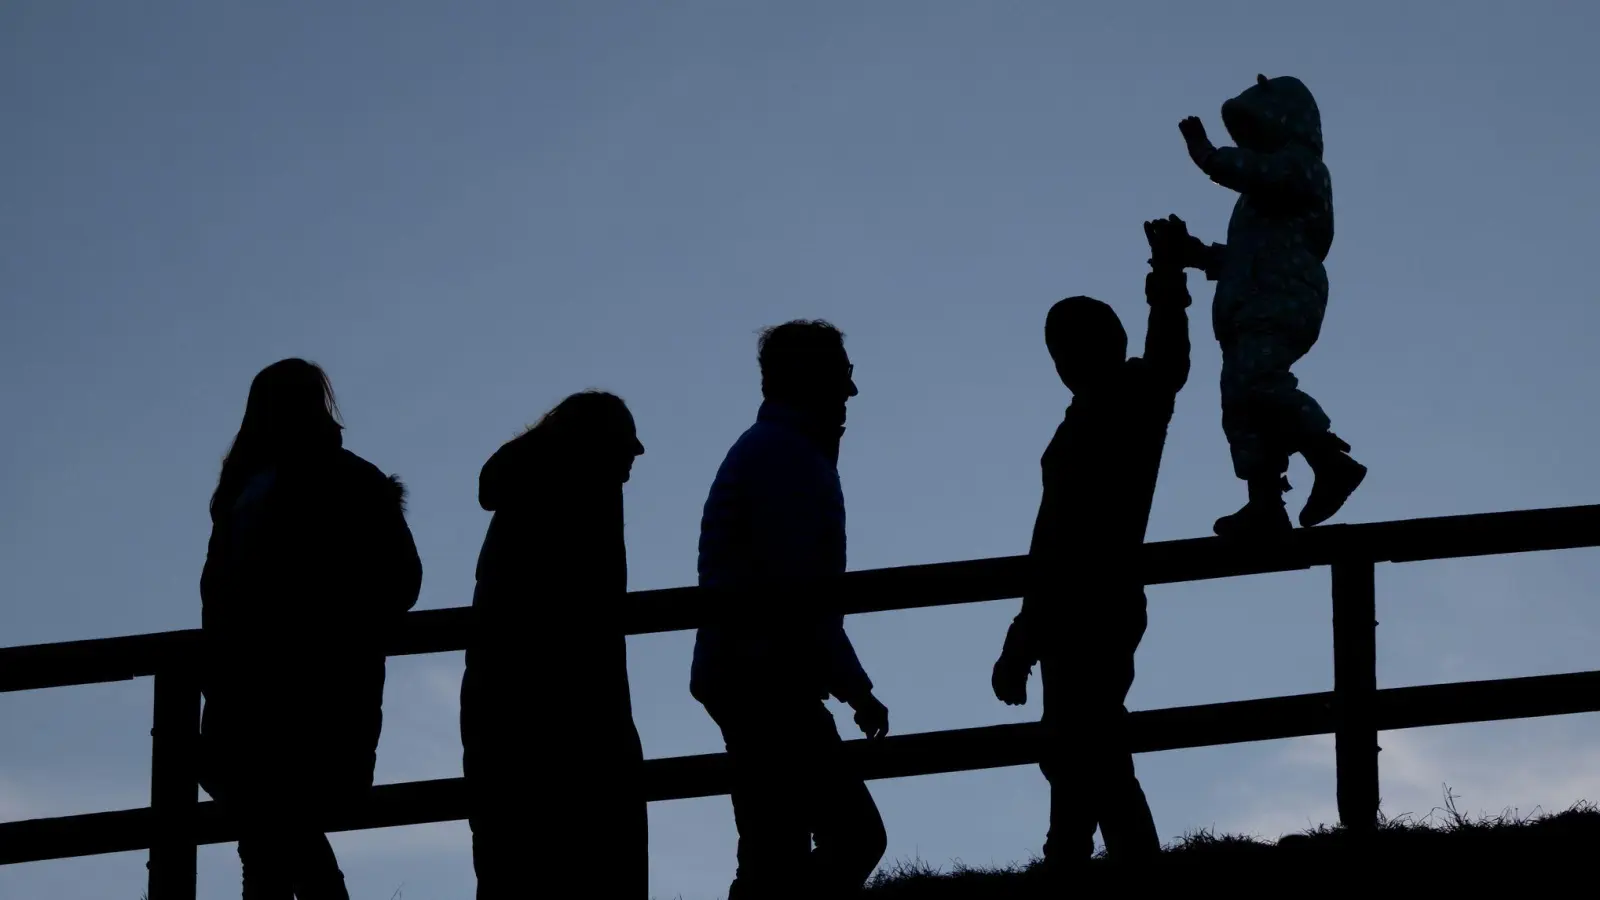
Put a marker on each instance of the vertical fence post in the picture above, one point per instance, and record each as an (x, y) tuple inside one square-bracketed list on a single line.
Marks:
[(174, 790), (1355, 688)]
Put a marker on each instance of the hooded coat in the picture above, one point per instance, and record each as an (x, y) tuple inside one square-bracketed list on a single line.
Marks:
[(548, 739), (552, 575), (1270, 273), (309, 569), (1272, 289)]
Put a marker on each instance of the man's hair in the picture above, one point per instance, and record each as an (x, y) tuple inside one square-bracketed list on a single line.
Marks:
[(1079, 323), (791, 352)]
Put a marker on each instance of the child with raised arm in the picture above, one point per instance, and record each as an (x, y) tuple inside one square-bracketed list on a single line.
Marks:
[(1272, 291), (1083, 612)]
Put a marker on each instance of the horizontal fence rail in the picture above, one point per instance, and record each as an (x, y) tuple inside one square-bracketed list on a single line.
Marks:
[(929, 753), (1354, 711), (904, 587)]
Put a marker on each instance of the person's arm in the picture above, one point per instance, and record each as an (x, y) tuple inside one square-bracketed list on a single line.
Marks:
[(1284, 173), (847, 679), (1164, 366), (1020, 648), (212, 580), (793, 522), (237, 530), (384, 564), (1207, 258), (215, 610), (1043, 579), (404, 564), (1166, 337)]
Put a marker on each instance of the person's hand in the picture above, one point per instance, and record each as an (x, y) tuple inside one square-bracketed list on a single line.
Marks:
[(1169, 242), (872, 717), (1194, 135), (1171, 245), (1010, 681), (1196, 253)]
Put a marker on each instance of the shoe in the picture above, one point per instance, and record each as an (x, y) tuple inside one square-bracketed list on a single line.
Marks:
[(1337, 477), (1263, 516)]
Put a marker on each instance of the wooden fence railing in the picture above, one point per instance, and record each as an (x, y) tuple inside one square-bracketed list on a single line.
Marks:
[(176, 822)]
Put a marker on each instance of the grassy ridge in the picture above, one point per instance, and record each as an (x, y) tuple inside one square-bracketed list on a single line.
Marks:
[(1445, 845), (1445, 850)]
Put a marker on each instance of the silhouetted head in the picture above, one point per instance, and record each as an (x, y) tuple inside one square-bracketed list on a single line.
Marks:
[(1087, 342), (1272, 113), (290, 411), (804, 365), (591, 433)]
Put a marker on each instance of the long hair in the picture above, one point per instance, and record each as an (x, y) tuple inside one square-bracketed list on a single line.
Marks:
[(290, 410), (574, 424)]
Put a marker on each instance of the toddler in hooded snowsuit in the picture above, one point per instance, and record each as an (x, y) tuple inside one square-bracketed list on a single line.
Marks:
[(1272, 291)]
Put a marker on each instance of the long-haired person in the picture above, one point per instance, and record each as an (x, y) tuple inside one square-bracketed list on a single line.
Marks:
[(550, 752), (309, 568)]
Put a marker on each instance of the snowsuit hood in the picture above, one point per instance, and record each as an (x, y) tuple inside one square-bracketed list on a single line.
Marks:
[(1273, 113), (1270, 273)]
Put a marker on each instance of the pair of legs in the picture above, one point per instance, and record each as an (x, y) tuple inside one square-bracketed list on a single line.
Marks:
[(1267, 418), (582, 805), (281, 759), (287, 857), (790, 790), (599, 838), (1088, 761), (282, 850)]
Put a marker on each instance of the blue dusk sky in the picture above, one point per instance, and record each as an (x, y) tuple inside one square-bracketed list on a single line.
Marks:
[(467, 210)]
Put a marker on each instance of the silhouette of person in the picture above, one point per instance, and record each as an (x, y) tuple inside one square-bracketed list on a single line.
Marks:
[(548, 655), (1083, 613), (310, 566), (1272, 292), (773, 520)]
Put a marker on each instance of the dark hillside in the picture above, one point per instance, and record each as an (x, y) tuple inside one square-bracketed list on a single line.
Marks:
[(1448, 851)]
